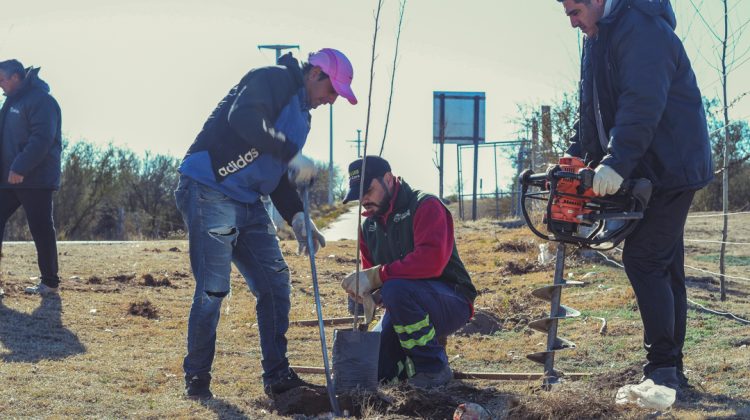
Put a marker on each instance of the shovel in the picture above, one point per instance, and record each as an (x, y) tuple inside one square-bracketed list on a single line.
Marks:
[(319, 309)]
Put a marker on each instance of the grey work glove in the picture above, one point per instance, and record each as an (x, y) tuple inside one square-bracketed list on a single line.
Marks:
[(300, 232), (301, 170), (606, 180), (361, 287)]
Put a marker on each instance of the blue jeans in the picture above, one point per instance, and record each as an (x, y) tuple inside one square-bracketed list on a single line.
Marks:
[(221, 231), (418, 312)]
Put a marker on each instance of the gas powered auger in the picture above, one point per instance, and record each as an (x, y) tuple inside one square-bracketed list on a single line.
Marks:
[(575, 215)]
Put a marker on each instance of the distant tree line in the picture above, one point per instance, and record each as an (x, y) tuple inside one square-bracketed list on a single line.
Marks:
[(111, 193)]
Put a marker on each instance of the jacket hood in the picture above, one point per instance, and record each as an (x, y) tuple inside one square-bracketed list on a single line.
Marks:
[(662, 8), (32, 81), (292, 65)]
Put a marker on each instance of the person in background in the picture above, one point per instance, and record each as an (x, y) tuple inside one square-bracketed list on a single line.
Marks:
[(30, 149)]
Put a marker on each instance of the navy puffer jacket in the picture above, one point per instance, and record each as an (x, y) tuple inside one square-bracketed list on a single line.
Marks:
[(650, 104), (30, 135)]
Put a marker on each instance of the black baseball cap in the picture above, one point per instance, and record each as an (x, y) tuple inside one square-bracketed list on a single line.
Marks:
[(375, 167)]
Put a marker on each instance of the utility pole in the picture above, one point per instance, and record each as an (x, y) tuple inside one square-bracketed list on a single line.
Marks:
[(330, 156), (267, 203), (278, 48), (359, 143)]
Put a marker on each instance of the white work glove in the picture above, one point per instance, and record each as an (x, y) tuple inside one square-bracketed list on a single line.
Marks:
[(367, 281), (301, 170), (606, 180), (300, 232)]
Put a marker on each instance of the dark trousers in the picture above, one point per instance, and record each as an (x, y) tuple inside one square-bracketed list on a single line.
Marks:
[(418, 313), (38, 206), (654, 259)]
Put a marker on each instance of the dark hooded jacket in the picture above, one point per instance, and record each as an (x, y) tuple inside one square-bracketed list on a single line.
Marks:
[(30, 135), (650, 104), (246, 143)]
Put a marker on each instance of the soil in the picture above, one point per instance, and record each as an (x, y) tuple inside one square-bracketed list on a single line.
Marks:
[(484, 323), (393, 402), (144, 308), (149, 280)]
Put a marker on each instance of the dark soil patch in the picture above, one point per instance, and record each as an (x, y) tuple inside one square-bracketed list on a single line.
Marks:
[(175, 249), (701, 279), (304, 400), (402, 400), (150, 281), (346, 260), (94, 280), (144, 308), (741, 342), (484, 323), (180, 274), (515, 246), (123, 278), (513, 268), (154, 250), (615, 380)]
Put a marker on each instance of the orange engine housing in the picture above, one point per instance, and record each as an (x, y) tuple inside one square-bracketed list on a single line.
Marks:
[(567, 209)]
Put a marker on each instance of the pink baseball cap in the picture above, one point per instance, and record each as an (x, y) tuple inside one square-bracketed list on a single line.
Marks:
[(338, 68)]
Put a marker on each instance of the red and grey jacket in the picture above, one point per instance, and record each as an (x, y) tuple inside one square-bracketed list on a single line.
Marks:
[(414, 240)]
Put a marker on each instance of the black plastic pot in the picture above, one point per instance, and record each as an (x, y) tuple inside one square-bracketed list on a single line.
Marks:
[(355, 360)]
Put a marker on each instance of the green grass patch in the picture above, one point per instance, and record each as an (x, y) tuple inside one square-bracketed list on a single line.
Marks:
[(625, 313), (732, 260)]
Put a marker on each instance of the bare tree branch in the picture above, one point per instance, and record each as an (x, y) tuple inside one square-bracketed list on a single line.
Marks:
[(372, 75), (402, 5)]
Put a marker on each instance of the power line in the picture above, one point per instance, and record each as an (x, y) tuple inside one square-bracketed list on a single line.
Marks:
[(716, 242), (700, 15), (717, 215), (701, 307), (686, 266), (715, 312), (716, 274)]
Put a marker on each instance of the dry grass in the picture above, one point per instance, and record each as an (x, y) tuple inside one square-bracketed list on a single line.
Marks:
[(88, 355)]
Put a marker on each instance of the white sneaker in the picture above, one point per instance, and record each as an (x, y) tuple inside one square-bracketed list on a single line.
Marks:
[(42, 290)]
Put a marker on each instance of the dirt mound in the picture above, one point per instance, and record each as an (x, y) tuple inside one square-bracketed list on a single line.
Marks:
[(122, 278), (617, 379), (393, 402), (144, 308), (94, 280), (513, 268), (304, 400), (484, 323), (514, 246), (150, 281), (346, 260)]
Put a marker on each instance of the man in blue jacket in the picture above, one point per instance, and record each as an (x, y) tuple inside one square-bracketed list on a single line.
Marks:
[(642, 116), (251, 146), (31, 144)]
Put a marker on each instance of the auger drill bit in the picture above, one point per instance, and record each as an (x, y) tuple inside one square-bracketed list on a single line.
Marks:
[(549, 324)]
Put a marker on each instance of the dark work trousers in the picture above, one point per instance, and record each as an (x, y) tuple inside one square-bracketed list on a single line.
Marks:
[(38, 206), (654, 259)]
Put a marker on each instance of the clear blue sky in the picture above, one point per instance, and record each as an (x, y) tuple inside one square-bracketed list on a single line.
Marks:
[(146, 74)]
